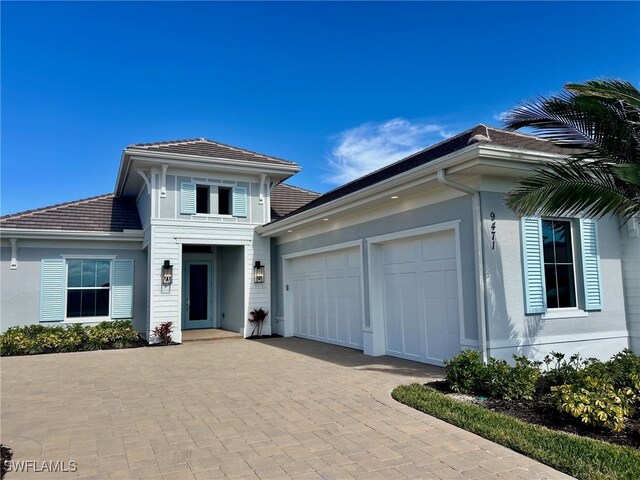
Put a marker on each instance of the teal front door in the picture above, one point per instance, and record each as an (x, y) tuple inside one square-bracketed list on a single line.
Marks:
[(197, 299)]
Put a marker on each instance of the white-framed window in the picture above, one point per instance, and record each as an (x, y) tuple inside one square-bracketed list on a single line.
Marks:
[(75, 288), (560, 264), (88, 288), (195, 198)]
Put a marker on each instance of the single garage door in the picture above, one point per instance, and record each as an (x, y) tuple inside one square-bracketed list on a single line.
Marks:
[(420, 297), (327, 297)]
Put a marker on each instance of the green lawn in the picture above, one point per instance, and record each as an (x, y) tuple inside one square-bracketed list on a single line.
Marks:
[(583, 458)]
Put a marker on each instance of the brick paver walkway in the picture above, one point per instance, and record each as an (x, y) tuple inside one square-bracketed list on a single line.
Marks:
[(279, 408)]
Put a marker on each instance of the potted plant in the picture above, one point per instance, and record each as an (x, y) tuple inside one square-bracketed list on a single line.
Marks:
[(257, 317)]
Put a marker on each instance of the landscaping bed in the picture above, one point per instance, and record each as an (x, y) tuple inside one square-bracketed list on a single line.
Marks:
[(38, 339), (536, 411), (580, 416), (580, 457)]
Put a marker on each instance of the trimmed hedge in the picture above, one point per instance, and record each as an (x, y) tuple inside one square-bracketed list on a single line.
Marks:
[(35, 339)]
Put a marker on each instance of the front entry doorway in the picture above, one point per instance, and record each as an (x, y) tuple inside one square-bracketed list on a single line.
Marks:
[(197, 301)]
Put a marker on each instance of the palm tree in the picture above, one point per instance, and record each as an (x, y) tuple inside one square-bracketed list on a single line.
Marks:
[(598, 123)]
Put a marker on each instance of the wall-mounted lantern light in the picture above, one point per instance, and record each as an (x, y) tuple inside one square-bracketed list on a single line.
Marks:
[(258, 272), (167, 273)]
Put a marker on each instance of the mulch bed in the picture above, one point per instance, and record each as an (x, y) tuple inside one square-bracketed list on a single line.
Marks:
[(537, 411)]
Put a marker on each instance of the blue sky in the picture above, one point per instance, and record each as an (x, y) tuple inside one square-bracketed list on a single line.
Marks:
[(341, 88)]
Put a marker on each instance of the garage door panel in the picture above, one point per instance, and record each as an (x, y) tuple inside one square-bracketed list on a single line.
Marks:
[(333, 295), (420, 299)]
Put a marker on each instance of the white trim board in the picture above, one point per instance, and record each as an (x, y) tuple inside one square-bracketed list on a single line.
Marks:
[(414, 232), (329, 248)]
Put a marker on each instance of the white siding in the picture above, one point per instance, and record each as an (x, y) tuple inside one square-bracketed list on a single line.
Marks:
[(167, 240)]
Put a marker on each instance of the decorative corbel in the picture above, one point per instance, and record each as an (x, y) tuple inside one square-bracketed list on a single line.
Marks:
[(163, 187), (263, 177), (146, 180), (14, 253)]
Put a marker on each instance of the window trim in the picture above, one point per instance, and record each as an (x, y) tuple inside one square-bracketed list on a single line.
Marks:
[(562, 312)]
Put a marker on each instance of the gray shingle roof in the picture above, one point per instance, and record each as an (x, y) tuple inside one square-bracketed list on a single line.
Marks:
[(478, 134), (208, 148), (104, 213), (287, 198)]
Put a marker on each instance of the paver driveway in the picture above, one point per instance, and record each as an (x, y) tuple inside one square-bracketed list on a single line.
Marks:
[(279, 408)]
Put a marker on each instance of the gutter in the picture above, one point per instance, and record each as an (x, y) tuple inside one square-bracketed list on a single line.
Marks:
[(479, 248)]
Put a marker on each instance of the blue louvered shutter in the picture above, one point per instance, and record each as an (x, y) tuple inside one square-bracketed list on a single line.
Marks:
[(188, 198), (239, 202), (535, 293), (122, 289), (590, 265), (52, 273)]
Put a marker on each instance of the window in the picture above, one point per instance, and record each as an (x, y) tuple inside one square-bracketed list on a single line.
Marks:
[(202, 199), (560, 265), (88, 288), (559, 272), (224, 201)]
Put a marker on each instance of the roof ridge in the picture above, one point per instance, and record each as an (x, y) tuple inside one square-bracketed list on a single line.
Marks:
[(247, 151), (299, 188), (56, 206), (166, 142), (388, 165), (520, 134)]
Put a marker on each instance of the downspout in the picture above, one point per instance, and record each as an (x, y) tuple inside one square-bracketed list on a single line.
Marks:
[(477, 240)]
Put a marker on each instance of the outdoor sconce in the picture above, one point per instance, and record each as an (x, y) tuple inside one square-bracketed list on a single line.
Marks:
[(167, 274), (258, 272)]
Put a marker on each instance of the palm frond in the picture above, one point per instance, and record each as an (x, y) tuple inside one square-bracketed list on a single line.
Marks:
[(570, 189), (613, 89)]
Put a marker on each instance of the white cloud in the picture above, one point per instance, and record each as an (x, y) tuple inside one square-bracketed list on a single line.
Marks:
[(500, 116), (370, 146)]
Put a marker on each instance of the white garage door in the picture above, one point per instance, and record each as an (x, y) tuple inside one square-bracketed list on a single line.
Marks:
[(420, 298), (327, 297)]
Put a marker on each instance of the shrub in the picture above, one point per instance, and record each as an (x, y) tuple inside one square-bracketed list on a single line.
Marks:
[(163, 332), (34, 339), (595, 402), (467, 374), (464, 371)]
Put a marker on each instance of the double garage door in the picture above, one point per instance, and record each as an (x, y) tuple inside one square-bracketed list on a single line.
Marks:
[(415, 287)]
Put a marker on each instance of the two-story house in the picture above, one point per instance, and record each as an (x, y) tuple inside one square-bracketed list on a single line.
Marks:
[(418, 260)]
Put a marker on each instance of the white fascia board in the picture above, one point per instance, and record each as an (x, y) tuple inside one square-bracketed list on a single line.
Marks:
[(127, 235), (473, 155), (199, 161), (415, 176)]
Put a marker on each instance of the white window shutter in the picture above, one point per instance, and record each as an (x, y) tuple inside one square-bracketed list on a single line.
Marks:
[(122, 289), (52, 273), (187, 198), (535, 291), (239, 202), (590, 264)]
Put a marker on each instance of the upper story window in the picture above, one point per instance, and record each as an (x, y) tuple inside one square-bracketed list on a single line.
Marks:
[(224, 201), (196, 199), (202, 199), (559, 271)]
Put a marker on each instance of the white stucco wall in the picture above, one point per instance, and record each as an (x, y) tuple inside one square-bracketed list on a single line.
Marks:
[(593, 334)]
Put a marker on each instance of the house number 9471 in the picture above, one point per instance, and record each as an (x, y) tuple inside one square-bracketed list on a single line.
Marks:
[(492, 216)]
